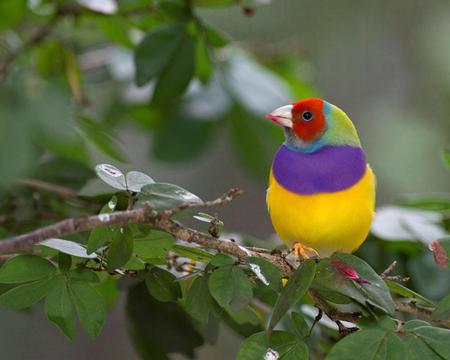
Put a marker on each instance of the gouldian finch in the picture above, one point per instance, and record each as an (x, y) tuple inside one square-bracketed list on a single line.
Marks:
[(321, 193)]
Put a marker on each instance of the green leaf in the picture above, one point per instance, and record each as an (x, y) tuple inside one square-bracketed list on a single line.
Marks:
[(442, 311), (23, 296), (101, 138), (12, 11), (301, 326), (368, 344), (414, 324), (280, 345), (203, 68), (14, 135), (245, 315), (115, 28), (162, 285), (108, 289), (58, 170), (229, 284), (191, 252), (59, 309), (375, 293), (215, 38), (198, 300), (214, 2), (418, 350), (23, 268), (100, 236), (64, 262), (121, 248), (68, 247), (166, 196), (155, 245), (421, 339), (86, 275), (135, 263), (178, 72), (405, 292), (158, 328), (297, 286), (155, 51), (182, 137), (222, 260), (266, 272), (90, 307), (221, 285), (49, 58)]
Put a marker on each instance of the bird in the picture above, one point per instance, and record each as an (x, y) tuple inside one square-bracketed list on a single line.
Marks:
[(321, 194)]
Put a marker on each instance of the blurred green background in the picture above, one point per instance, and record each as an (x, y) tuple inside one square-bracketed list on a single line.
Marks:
[(387, 64)]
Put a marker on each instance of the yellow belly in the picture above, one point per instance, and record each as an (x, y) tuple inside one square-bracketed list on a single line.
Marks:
[(327, 222)]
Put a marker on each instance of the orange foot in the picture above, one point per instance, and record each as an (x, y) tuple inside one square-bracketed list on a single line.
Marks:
[(305, 252)]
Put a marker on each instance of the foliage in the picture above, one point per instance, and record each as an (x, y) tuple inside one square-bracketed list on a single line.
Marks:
[(184, 84), (185, 290)]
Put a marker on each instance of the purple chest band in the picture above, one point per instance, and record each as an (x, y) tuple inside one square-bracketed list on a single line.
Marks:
[(330, 169)]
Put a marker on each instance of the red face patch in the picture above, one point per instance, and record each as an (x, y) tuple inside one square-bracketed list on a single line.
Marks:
[(308, 120)]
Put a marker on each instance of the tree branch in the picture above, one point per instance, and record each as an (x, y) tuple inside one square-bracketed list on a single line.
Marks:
[(35, 38), (61, 191), (163, 221), (412, 308), (331, 312), (145, 215), (42, 32)]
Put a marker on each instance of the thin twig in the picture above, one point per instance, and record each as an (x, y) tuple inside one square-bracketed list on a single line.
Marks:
[(424, 313), (388, 269), (42, 32), (163, 221), (35, 38), (145, 215), (226, 198), (385, 274), (335, 315), (58, 190)]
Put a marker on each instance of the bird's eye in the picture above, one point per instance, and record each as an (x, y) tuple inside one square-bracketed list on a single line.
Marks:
[(307, 115)]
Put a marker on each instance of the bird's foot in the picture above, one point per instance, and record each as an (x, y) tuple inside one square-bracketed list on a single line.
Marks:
[(305, 252)]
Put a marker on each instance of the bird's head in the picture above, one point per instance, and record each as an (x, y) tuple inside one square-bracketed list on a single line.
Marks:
[(312, 123)]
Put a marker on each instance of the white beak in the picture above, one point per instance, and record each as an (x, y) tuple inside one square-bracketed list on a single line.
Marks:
[(282, 116)]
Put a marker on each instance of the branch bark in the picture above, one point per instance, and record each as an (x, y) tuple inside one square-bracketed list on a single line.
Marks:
[(163, 221), (412, 308), (145, 215)]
